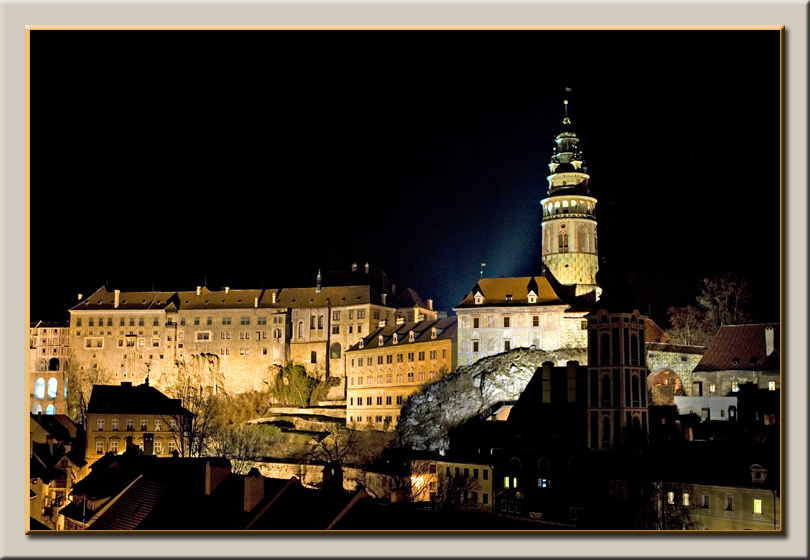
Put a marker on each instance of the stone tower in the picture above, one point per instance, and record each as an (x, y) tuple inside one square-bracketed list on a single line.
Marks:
[(569, 222), (617, 376)]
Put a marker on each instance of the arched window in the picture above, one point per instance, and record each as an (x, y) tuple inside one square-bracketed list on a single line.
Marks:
[(42, 365), (50, 410), (300, 329), (544, 465), (53, 365), (604, 348), (606, 390), (562, 242), (635, 390), (52, 383), (514, 463), (633, 349), (36, 408), (39, 388), (605, 432), (64, 389), (636, 431), (334, 351), (583, 240)]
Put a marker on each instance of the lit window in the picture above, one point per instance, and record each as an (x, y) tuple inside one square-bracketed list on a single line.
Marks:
[(158, 425), (144, 425), (685, 499), (670, 498), (506, 481), (99, 447), (130, 425), (114, 425), (735, 386), (171, 447), (158, 448), (542, 482), (114, 446), (772, 385), (757, 505)]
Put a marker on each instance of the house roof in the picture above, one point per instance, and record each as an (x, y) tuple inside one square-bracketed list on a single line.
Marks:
[(743, 344), (129, 399), (49, 324), (675, 348), (300, 508), (446, 329), (133, 506), (59, 426), (410, 298), (235, 299), (496, 290), (77, 512)]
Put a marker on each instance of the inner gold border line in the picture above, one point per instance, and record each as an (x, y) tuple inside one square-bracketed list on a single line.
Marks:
[(406, 27)]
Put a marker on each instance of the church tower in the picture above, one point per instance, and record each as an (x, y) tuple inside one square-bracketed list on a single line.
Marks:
[(569, 222)]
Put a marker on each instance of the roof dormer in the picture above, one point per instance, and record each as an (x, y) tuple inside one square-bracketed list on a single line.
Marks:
[(433, 333), (410, 336), (395, 338), (532, 297), (479, 298)]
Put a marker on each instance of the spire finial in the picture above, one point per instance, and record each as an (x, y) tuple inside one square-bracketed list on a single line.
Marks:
[(566, 120)]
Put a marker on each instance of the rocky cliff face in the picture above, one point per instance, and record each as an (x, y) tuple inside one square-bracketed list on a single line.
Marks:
[(429, 415)]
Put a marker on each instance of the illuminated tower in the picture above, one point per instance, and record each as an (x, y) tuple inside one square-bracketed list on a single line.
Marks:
[(569, 222)]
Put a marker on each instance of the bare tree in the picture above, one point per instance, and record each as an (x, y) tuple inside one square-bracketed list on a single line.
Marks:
[(725, 299), (197, 385), (659, 506), (79, 383), (243, 444), (689, 326)]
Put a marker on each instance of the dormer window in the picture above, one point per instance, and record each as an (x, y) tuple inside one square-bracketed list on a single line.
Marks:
[(395, 338), (532, 297), (433, 332), (508, 297), (380, 340), (479, 298), (410, 336)]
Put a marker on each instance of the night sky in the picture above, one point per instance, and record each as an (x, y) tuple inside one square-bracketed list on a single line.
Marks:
[(249, 159)]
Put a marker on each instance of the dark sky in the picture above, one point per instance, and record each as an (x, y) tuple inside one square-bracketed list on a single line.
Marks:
[(255, 158)]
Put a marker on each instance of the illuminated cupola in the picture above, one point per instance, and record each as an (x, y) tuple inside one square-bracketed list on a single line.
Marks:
[(569, 222)]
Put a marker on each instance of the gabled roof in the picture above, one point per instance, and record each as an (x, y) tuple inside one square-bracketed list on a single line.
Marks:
[(335, 296), (128, 399), (103, 300), (496, 290), (446, 329), (410, 298), (59, 426), (744, 344), (232, 299), (133, 506)]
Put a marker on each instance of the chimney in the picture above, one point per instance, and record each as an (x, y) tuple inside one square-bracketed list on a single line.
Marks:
[(117, 297), (198, 290), (254, 489), (80, 297), (393, 290), (354, 267), (366, 268), (273, 295), (430, 304), (255, 302), (148, 444), (768, 341), (383, 298), (215, 474), (318, 283), (227, 289)]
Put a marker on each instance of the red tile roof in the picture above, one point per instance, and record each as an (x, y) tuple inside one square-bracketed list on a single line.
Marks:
[(741, 347)]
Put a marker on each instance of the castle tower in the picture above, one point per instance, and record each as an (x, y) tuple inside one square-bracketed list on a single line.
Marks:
[(617, 375), (569, 222)]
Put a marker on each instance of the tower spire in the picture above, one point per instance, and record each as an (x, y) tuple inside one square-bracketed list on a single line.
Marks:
[(566, 120)]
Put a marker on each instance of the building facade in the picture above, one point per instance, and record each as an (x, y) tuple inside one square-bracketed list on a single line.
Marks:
[(739, 354), (48, 350), (153, 421), (452, 483), (500, 314), (390, 364), (239, 337)]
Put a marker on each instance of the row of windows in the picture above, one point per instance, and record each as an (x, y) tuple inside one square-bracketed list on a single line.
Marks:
[(389, 359), (466, 473), (389, 377), (122, 321), (335, 328), (507, 346), (130, 425), (361, 314), (48, 365), (369, 419), (112, 446), (202, 336), (53, 386), (379, 400)]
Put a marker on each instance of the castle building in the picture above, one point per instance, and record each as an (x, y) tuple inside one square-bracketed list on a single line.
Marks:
[(500, 314), (235, 337), (393, 362), (48, 349)]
